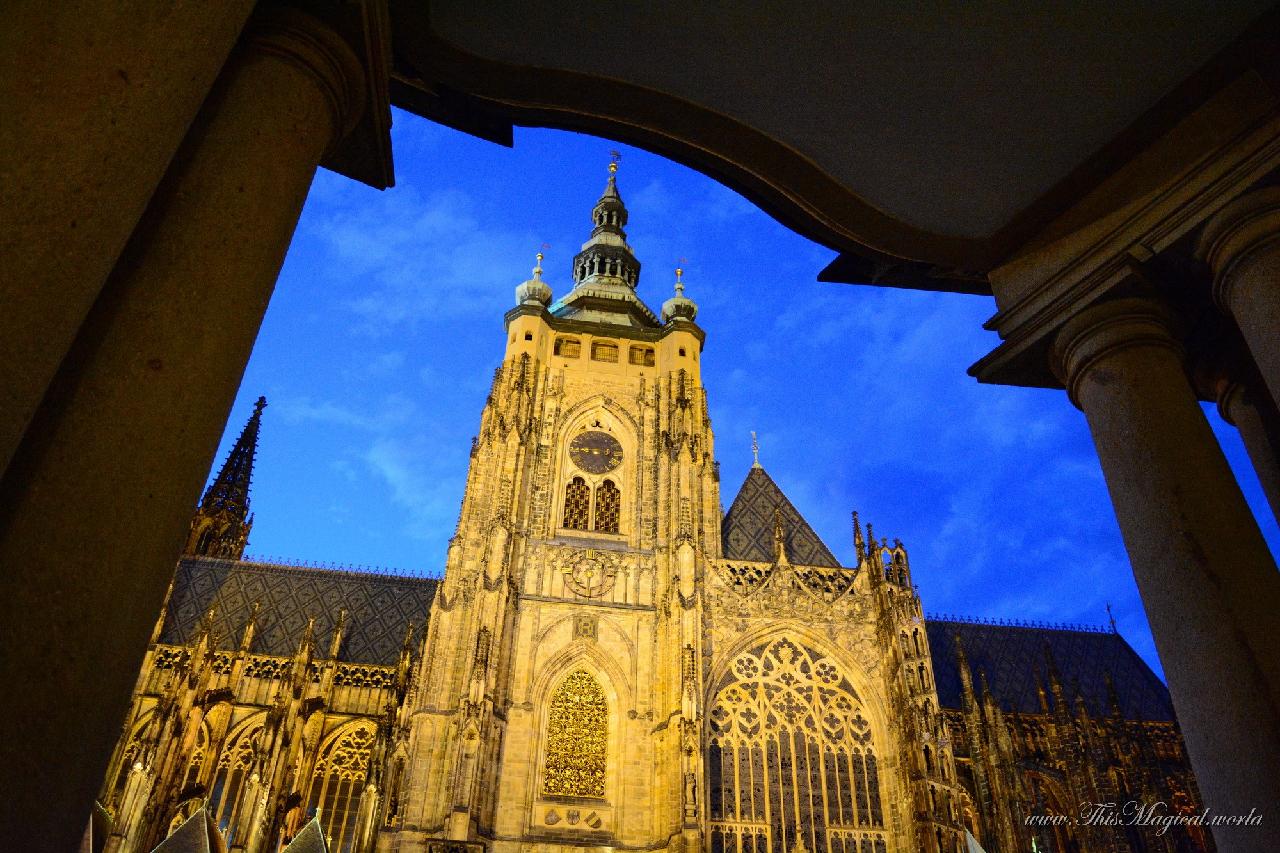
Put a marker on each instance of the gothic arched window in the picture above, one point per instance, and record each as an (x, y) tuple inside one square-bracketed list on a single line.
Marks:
[(338, 783), (608, 506), (577, 505), (233, 769), (195, 763), (577, 738), (790, 757)]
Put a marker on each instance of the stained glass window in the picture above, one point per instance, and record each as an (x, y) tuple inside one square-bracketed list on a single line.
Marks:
[(338, 782), (577, 738)]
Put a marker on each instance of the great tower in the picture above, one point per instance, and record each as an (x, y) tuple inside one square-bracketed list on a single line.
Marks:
[(559, 699)]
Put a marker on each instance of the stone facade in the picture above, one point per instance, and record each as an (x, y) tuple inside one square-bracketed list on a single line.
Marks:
[(610, 661)]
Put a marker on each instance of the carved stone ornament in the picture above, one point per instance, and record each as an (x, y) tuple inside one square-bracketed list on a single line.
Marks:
[(585, 627), (590, 572)]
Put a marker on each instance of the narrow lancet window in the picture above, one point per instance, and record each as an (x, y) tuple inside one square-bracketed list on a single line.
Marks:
[(577, 738), (577, 505)]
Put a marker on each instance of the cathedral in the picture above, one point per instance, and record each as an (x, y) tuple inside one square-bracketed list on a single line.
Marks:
[(612, 661)]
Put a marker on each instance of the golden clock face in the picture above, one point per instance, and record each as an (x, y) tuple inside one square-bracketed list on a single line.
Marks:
[(595, 452)]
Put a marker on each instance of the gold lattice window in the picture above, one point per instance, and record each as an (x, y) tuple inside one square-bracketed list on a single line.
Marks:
[(790, 757), (608, 505), (338, 782), (577, 738), (577, 505)]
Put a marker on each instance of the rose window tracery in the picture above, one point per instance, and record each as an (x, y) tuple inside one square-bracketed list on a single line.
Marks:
[(790, 759)]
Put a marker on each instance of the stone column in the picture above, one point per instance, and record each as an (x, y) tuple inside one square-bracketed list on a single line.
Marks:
[(1207, 580), (1254, 415), (1242, 245), (96, 99), (96, 501)]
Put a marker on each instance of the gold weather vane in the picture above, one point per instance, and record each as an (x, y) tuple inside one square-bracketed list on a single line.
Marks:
[(755, 450), (537, 269), (614, 156)]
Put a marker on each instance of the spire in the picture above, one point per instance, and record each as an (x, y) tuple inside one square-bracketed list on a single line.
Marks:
[(755, 450), (606, 272), (222, 523), (779, 539), (606, 257)]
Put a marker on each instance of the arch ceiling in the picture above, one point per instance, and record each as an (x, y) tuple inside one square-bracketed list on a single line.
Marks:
[(924, 147)]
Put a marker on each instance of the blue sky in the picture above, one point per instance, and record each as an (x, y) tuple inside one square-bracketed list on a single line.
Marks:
[(381, 338)]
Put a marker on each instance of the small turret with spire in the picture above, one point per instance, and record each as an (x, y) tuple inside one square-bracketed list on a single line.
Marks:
[(679, 307), (535, 291), (222, 522)]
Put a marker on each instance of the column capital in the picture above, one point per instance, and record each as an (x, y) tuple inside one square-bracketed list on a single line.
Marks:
[(1106, 328), (314, 46), (1246, 226)]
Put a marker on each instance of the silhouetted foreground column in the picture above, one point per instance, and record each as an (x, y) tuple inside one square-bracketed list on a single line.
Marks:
[(96, 502), (1242, 244), (95, 99), (1256, 421), (1208, 582)]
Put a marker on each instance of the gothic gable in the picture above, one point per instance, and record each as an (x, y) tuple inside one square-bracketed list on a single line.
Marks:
[(747, 530)]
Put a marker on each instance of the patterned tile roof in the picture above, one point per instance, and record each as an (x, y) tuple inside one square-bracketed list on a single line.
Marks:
[(379, 607), (1011, 656), (747, 529)]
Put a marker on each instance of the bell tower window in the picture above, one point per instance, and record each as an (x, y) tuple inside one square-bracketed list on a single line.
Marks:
[(608, 503), (577, 505)]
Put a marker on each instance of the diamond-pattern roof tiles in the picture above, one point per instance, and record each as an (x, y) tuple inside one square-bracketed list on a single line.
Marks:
[(747, 530), (379, 608), (1011, 655)]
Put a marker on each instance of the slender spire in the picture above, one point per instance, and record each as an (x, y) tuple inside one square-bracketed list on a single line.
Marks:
[(755, 450), (222, 522), (230, 489)]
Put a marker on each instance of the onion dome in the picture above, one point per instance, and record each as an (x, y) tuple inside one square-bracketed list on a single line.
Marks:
[(535, 291), (679, 307)]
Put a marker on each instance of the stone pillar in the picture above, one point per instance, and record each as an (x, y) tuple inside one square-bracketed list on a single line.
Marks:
[(1207, 580), (1254, 415), (96, 99), (97, 499), (1242, 245)]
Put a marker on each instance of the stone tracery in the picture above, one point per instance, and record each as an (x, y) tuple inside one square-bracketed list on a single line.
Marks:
[(790, 757)]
